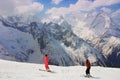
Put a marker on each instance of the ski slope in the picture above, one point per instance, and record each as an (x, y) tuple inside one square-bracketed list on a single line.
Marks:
[(27, 71)]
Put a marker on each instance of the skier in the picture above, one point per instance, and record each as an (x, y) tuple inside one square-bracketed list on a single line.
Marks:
[(46, 62), (88, 65)]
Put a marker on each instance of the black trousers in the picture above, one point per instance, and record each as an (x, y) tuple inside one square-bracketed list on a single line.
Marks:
[(88, 71)]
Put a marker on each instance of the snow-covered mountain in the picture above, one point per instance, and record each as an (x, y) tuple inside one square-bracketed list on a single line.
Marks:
[(20, 45), (102, 31), (68, 40), (4, 54), (26, 71), (30, 41)]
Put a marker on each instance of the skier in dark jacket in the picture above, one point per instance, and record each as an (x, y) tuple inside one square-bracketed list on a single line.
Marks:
[(88, 65), (46, 62)]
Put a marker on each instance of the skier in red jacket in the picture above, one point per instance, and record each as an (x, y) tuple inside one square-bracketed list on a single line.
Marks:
[(46, 62), (88, 65)]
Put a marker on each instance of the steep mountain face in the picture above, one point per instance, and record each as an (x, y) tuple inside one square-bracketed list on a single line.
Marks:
[(111, 51), (20, 45), (4, 54), (59, 42), (109, 37), (105, 26), (103, 32)]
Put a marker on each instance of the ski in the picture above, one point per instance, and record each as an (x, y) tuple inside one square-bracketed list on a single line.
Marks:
[(47, 71)]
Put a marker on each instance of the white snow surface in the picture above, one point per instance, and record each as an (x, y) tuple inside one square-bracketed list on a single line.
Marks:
[(10, 37), (26, 71)]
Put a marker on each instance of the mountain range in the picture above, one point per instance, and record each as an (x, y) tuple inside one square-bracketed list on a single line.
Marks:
[(68, 41)]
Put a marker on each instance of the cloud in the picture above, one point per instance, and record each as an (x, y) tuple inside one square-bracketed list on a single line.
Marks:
[(11, 7), (57, 11), (99, 3), (56, 1), (29, 9), (6, 7), (116, 14), (107, 10), (81, 5)]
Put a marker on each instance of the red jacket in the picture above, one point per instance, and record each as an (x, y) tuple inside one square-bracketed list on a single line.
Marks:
[(88, 65), (46, 60)]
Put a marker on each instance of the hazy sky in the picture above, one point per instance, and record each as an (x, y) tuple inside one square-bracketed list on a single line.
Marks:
[(56, 7)]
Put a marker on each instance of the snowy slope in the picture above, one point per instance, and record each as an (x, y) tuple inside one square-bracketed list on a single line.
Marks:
[(27, 71), (19, 44), (4, 54)]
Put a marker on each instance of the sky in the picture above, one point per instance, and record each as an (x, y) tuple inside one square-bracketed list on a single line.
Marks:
[(55, 7)]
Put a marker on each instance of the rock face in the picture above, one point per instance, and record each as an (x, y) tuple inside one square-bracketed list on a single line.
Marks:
[(103, 32), (111, 51), (109, 38), (59, 42)]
